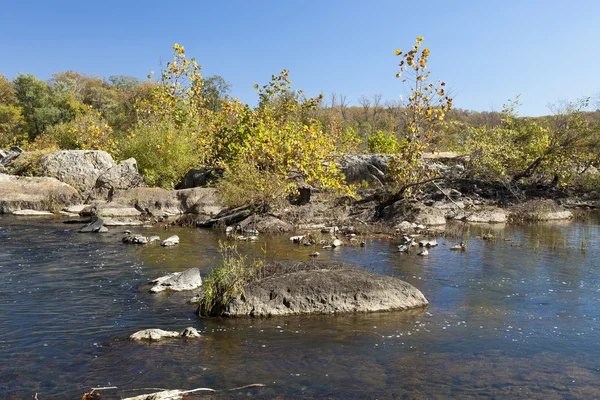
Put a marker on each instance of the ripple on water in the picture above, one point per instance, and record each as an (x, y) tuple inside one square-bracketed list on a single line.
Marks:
[(504, 321)]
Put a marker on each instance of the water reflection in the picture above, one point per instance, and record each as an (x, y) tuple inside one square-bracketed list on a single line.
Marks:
[(511, 318)]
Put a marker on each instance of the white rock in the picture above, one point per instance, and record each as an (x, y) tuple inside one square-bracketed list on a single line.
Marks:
[(336, 243), (171, 241), (122, 222), (75, 209), (187, 280), (119, 212), (190, 333), (153, 334), (31, 213)]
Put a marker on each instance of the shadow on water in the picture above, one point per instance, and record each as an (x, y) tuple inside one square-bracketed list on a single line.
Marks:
[(512, 317)]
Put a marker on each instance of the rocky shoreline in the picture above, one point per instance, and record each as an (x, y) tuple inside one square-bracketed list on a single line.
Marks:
[(81, 183)]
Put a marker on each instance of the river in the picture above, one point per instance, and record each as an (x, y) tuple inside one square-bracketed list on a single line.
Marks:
[(515, 317)]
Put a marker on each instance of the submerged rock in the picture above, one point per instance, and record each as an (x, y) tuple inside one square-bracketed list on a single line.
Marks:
[(289, 288), (179, 281)]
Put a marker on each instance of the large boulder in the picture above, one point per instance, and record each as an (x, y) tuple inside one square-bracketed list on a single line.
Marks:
[(371, 168), (539, 210), (78, 168), (19, 193), (265, 224), (157, 201), (318, 288), (488, 215), (122, 176), (415, 212), (199, 177), (7, 156)]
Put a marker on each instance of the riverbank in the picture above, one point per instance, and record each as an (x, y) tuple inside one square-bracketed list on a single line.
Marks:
[(89, 183)]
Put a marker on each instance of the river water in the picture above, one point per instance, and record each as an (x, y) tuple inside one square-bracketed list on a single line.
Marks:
[(515, 317)]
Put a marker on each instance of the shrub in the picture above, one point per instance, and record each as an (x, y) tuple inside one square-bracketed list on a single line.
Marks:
[(228, 280), (164, 152), (385, 143)]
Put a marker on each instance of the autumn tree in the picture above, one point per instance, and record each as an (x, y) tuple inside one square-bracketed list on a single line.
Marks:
[(426, 107), (547, 150), (11, 120)]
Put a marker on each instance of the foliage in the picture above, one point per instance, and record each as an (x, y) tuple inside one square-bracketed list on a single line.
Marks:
[(549, 150), (164, 152), (426, 107), (88, 131), (29, 163), (385, 143), (34, 97), (228, 280)]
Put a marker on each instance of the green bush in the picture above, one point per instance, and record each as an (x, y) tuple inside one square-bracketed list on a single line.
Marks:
[(227, 281), (385, 143), (164, 152)]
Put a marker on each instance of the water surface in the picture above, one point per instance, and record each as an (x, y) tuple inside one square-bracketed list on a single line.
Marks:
[(515, 318)]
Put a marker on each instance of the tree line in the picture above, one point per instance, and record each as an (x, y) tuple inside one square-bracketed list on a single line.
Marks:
[(182, 119)]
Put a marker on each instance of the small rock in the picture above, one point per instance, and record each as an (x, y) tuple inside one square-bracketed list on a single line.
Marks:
[(127, 232), (296, 239), (135, 239), (428, 243), (171, 241), (153, 334), (336, 243), (315, 254), (153, 239), (423, 252), (179, 281), (190, 333)]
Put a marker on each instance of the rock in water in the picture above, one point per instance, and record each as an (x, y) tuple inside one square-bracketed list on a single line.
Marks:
[(171, 241), (187, 280), (289, 288), (94, 226), (153, 334), (190, 333), (31, 213), (428, 243), (135, 239)]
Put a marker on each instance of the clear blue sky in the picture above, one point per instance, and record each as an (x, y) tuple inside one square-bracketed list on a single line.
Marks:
[(487, 51)]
